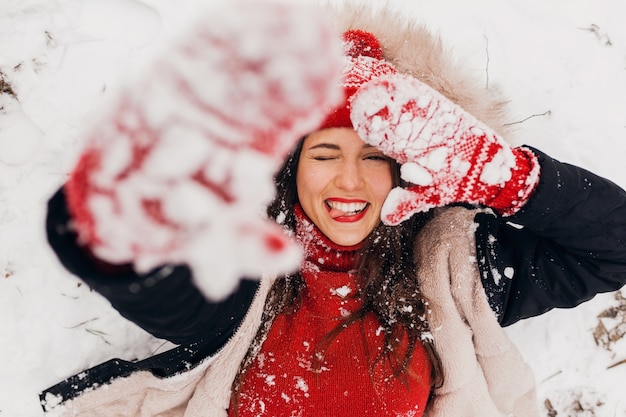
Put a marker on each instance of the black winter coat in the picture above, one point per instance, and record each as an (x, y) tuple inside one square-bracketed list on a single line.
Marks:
[(566, 245)]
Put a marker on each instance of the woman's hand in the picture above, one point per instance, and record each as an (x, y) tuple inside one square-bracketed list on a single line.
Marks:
[(447, 153), (181, 169)]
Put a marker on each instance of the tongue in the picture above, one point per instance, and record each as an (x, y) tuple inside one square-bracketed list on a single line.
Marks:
[(334, 213)]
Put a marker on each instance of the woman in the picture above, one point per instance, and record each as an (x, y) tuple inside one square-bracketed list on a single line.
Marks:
[(380, 319)]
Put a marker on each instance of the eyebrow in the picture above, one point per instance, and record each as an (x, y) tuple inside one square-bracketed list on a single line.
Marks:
[(335, 147), (325, 145)]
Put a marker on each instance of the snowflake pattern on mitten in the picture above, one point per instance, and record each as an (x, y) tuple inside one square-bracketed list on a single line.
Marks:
[(181, 169), (446, 153)]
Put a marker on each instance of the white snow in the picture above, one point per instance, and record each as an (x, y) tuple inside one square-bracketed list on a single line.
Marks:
[(416, 173), (562, 63), (342, 291)]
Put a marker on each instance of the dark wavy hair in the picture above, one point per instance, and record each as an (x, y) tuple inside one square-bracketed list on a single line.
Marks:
[(387, 279)]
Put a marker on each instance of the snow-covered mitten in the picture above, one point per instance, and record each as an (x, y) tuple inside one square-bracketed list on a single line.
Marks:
[(447, 153), (181, 169)]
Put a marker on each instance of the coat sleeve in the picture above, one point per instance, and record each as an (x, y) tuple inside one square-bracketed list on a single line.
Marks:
[(164, 302), (566, 245)]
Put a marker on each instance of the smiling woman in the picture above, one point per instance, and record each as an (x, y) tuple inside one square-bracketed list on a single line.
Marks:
[(405, 204)]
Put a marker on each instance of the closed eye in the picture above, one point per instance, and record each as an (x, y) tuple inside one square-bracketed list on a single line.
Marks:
[(323, 157), (377, 157)]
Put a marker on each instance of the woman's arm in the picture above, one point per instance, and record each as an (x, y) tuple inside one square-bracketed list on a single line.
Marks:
[(570, 246), (164, 302)]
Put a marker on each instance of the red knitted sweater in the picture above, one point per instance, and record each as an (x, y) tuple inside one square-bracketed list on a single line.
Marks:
[(284, 380)]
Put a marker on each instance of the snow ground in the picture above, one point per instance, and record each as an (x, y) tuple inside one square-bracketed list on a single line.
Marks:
[(561, 62)]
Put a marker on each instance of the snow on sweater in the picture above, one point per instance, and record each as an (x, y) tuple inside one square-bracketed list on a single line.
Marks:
[(284, 379)]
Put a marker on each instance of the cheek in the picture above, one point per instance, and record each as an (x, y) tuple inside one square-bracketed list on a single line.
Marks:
[(382, 183), (306, 185), (300, 187)]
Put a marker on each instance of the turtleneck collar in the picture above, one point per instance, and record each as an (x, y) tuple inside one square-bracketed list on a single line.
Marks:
[(321, 253)]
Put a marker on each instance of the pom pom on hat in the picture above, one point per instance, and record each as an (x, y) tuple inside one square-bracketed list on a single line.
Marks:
[(358, 43), (364, 61)]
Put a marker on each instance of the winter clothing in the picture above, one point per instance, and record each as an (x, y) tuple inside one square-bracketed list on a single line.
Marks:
[(563, 256), (363, 62), (484, 372), (447, 153), (151, 177), (475, 378), (471, 263), (283, 380)]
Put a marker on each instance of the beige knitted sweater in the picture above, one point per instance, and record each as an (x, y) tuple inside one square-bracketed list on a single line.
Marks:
[(484, 372)]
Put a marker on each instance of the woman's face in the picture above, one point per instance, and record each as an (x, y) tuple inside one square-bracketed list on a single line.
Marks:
[(342, 183)]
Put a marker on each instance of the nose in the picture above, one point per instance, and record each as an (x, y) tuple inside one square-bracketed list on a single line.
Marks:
[(350, 176)]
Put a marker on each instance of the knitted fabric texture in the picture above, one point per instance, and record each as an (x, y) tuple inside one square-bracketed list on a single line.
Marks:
[(186, 155), (363, 62), (297, 373), (446, 153)]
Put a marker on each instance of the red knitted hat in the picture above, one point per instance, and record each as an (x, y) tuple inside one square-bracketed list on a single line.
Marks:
[(364, 61)]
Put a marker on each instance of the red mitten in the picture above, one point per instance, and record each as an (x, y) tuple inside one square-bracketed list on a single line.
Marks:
[(446, 152), (181, 169)]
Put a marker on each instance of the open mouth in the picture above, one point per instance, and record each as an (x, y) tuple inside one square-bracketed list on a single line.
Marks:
[(340, 208)]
